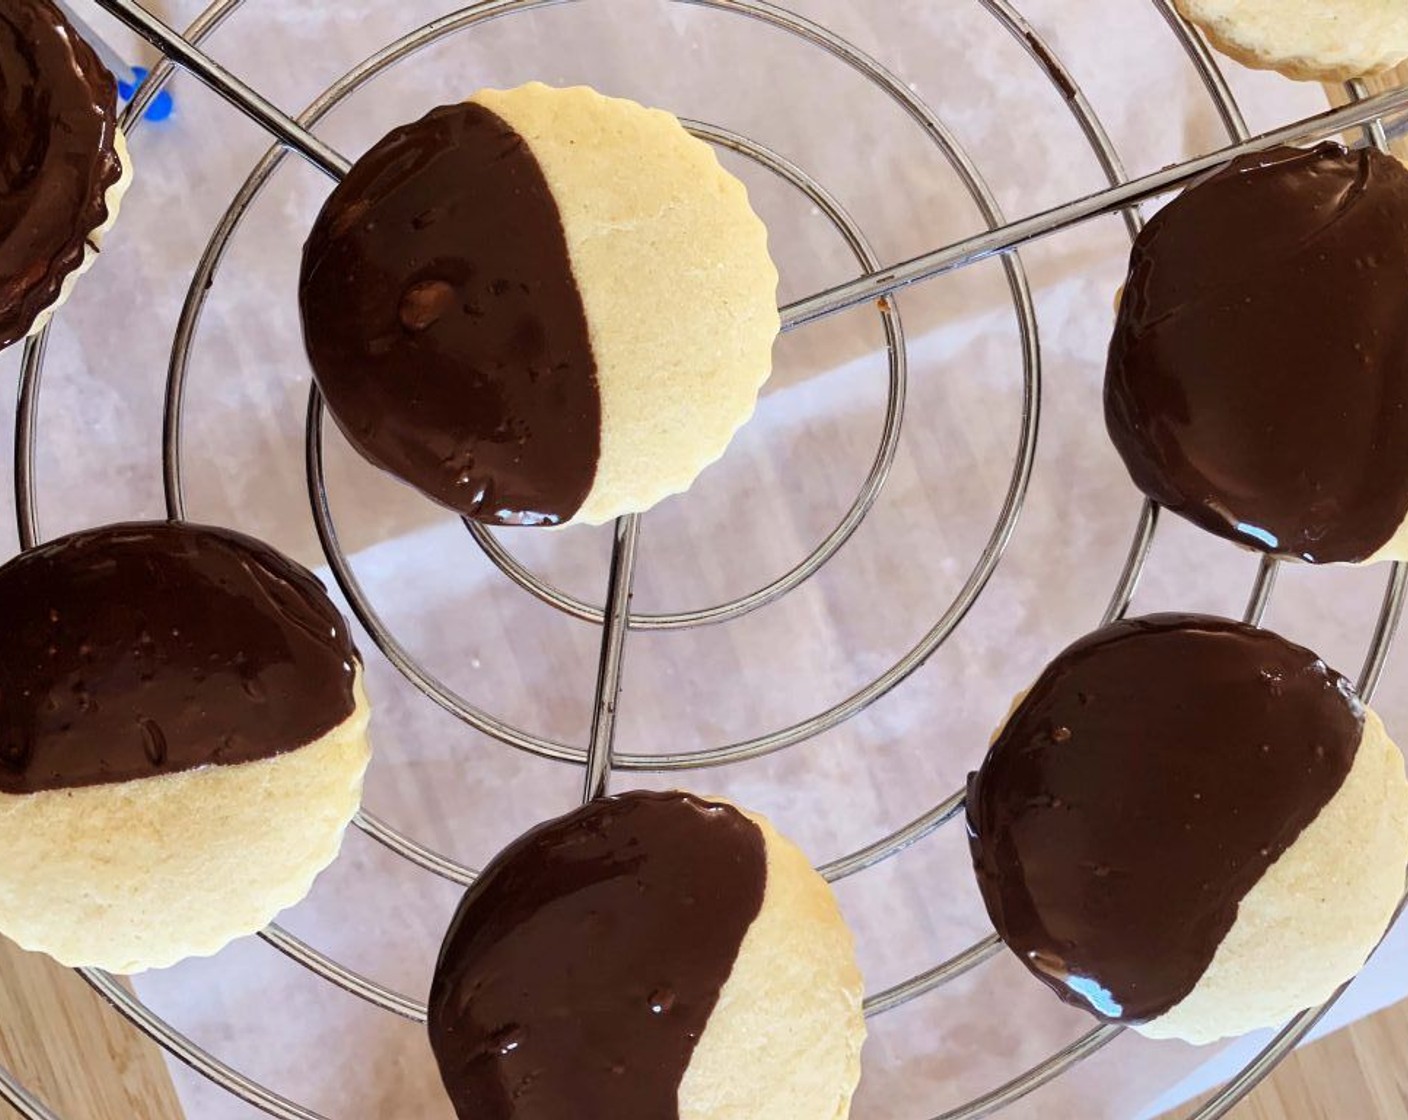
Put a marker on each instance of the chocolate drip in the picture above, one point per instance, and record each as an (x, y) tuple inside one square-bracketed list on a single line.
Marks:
[(1258, 377), (582, 966), (444, 324), (58, 110), (146, 649), (1154, 772)]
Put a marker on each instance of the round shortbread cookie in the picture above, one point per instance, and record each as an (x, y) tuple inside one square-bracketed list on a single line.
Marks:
[(649, 955), (66, 163), (182, 742), (1312, 40), (540, 306), (1190, 826), (1257, 383)]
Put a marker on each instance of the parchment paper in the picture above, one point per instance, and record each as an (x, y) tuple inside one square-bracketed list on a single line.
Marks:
[(789, 477)]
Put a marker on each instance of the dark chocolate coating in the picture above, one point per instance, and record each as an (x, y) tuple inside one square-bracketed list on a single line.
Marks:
[(138, 650), (1154, 772), (444, 325), (582, 966), (1258, 377), (58, 127)]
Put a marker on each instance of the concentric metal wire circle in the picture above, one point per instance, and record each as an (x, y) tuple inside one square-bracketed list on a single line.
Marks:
[(1003, 237), (342, 568)]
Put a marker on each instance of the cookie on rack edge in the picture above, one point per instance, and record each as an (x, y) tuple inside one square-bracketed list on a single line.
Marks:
[(1312, 40), (1257, 381), (540, 306), (64, 166), (182, 742), (1191, 826), (649, 955)]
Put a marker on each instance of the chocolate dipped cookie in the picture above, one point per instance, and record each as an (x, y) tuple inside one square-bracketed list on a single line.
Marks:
[(540, 306), (1313, 40), (1257, 381), (182, 742), (649, 955), (64, 165), (1191, 826)]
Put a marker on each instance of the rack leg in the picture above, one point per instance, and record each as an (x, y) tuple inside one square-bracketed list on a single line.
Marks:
[(613, 648)]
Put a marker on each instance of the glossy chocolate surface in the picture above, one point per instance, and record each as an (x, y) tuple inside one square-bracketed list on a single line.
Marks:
[(444, 324), (57, 157), (139, 650), (1258, 377), (1154, 772), (582, 966)]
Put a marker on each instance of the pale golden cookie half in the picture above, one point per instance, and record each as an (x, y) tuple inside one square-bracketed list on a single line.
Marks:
[(145, 873), (1316, 914), (1311, 40), (795, 992), (674, 272)]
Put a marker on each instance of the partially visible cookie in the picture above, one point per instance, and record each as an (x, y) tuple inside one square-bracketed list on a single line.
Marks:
[(182, 742), (540, 306), (1257, 381), (1313, 40), (64, 165), (649, 955)]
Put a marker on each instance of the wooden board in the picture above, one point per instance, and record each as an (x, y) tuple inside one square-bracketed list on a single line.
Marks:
[(71, 1051), (1359, 1072)]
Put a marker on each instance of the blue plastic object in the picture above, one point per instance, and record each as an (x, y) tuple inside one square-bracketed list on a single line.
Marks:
[(160, 109)]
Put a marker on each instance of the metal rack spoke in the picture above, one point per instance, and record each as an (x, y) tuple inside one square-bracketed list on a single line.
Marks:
[(601, 748), (1262, 587), (935, 977), (184, 1050), (998, 240), (412, 851), (1015, 234), (186, 54), (1034, 1078), (895, 842), (341, 976), (25, 1103)]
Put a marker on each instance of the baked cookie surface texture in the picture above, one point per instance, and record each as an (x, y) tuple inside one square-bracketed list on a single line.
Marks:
[(1314, 40), (540, 306)]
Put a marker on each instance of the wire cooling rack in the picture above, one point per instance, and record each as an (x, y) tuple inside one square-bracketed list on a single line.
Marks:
[(599, 761)]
